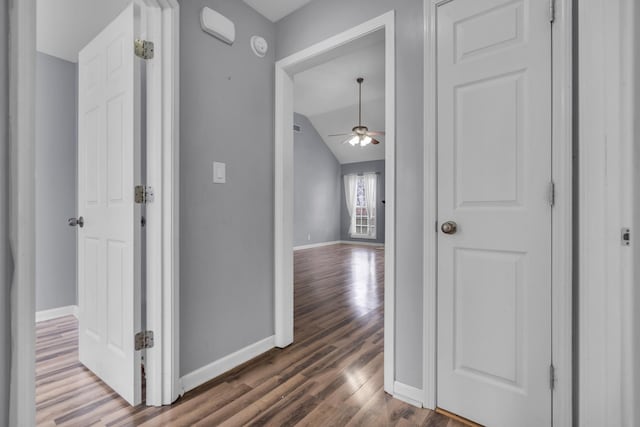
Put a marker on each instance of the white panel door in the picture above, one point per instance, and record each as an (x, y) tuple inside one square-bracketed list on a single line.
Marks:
[(494, 174), (109, 242)]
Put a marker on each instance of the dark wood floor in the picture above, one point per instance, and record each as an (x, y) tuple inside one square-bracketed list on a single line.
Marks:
[(331, 376)]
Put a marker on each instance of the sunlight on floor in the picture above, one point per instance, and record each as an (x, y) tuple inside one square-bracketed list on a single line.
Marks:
[(363, 278)]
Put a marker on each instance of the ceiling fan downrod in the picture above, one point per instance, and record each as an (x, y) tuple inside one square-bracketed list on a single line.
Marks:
[(360, 80), (360, 135)]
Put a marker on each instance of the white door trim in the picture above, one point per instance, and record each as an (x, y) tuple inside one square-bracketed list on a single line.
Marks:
[(562, 213), (430, 212), (22, 48), (22, 28), (283, 268), (608, 298), (561, 216), (161, 25)]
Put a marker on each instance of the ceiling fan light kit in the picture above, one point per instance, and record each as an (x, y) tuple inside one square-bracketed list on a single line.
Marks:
[(360, 140), (360, 135)]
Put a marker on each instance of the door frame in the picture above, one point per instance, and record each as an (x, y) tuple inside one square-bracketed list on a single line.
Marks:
[(562, 214), (160, 23), (283, 247), (162, 301), (609, 51)]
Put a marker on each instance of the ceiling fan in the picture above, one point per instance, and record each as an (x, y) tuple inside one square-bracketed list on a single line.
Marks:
[(360, 135)]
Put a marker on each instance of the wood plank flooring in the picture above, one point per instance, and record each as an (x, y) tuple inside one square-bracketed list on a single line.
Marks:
[(331, 376)]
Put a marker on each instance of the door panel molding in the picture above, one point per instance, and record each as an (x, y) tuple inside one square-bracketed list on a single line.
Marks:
[(494, 169), (561, 214), (109, 245)]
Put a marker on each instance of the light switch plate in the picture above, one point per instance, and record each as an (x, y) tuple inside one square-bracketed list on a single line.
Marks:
[(219, 173)]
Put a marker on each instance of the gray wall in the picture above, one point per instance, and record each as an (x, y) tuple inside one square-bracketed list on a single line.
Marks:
[(56, 154), (5, 327), (316, 192), (324, 18), (226, 230), (345, 220)]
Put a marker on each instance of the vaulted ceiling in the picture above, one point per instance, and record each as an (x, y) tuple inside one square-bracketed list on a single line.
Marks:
[(328, 95)]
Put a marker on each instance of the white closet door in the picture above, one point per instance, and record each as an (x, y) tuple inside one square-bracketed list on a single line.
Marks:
[(109, 241), (494, 174)]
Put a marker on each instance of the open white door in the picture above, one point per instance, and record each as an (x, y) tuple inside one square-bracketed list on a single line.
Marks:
[(494, 180), (109, 240)]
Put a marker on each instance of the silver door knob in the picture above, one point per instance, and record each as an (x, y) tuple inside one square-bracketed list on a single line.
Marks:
[(76, 222), (449, 227)]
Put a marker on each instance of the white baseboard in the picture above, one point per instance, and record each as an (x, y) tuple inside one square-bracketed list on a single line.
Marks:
[(316, 245), (408, 394), (338, 242), (54, 313), (358, 242), (220, 366)]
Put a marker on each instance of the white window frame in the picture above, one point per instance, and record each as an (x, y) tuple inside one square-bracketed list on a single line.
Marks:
[(366, 235)]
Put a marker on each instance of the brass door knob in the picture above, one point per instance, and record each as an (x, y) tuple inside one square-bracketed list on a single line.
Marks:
[(449, 227)]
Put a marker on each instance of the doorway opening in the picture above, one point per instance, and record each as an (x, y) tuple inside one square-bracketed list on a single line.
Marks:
[(50, 295), (301, 64), (339, 206), (59, 377)]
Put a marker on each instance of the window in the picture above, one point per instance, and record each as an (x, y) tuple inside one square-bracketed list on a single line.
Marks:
[(360, 191), (365, 223)]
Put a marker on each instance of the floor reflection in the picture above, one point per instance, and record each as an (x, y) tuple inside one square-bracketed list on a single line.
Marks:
[(334, 283), (363, 277), (332, 374)]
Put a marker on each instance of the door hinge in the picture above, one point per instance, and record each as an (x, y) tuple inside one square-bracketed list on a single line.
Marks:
[(143, 194), (625, 237), (143, 49), (552, 11), (552, 376), (144, 340), (552, 194)]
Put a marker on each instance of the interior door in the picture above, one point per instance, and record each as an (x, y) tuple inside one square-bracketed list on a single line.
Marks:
[(109, 240), (494, 211)]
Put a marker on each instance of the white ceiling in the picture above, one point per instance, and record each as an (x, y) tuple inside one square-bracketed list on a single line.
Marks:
[(275, 10), (328, 95), (64, 27)]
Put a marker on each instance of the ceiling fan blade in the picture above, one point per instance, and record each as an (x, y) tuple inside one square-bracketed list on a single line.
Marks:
[(374, 141), (375, 133), (341, 134)]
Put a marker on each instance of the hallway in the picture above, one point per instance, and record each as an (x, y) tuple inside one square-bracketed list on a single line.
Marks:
[(331, 375)]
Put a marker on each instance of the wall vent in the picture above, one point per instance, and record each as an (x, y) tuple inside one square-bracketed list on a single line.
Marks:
[(297, 128)]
